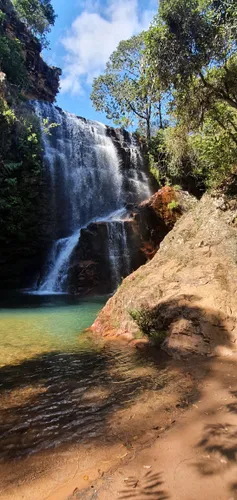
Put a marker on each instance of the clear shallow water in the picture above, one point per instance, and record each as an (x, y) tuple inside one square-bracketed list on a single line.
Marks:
[(57, 386), (31, 324)]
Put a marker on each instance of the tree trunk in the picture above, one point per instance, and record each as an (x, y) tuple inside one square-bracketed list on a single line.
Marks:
[(148, 130), (160, 115)]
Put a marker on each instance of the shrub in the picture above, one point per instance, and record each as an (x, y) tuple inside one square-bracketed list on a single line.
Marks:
[(38, 15), (20, 171), (148, 324), (216, 148), (12, 61)]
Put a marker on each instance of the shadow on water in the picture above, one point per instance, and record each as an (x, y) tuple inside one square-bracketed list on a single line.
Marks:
[(59, 398), (68, 397)]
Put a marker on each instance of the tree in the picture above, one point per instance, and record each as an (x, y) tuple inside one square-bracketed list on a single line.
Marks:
[(196, 39), (38, 15), (192, 46), (128, 90)]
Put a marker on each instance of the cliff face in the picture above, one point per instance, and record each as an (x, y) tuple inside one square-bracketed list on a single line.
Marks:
[(23, 187), (187, 293), (44, 80), (145, 227)]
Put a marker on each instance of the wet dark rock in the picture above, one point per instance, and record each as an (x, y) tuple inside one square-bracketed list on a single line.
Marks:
[(145, 227), (90, 267)]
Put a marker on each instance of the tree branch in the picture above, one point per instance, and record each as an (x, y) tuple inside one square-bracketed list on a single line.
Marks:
[(224, 96), (134, 110)]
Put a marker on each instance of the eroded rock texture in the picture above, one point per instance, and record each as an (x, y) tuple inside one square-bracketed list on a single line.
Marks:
[(145, 227), (188, 288)]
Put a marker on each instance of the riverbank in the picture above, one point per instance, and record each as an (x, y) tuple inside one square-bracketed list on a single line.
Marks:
[(107, 420), (178, 443), (193, 457), (148, 396)]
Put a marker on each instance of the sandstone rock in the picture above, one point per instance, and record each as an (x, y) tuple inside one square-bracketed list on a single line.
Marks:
[(189, 287), (157, 216)]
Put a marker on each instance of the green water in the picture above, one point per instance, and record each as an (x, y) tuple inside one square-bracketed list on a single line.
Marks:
[(32, 325), (57, 385)]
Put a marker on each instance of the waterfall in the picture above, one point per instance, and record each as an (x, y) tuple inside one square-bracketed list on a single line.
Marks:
[(57, 264), (118, 251), (87, 182)]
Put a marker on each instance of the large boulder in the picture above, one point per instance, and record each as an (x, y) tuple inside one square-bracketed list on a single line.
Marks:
[(187, 292)]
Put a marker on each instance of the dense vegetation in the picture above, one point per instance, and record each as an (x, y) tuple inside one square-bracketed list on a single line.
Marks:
[(20, 141), (178, 83), (20, 171), (38, 15)]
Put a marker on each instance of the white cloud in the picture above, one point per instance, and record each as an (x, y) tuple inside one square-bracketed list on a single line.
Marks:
[(93, 37)]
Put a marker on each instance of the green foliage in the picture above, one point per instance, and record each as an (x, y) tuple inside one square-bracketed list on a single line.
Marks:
[(154, 168), (2, 17), (12, 61), (188, 59), (173, 205), (157, 157), (189, 37), (38, 15), (148, 325), (20, 173), (125, 92), (192, 46), (21, 180), (216, 148), (47, 126)]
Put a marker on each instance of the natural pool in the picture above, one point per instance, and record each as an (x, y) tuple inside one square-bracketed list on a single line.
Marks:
[(56, 384), (34, 324), (65, 395)]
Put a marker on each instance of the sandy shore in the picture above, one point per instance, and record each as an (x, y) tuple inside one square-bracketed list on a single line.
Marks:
[(195, 458), (178, 443), (135, 423)]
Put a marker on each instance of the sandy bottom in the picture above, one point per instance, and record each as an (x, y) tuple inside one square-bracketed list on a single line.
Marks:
[(195, 458), (179, 443), (67, 469)]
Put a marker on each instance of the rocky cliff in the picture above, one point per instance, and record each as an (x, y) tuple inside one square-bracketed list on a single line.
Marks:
[(23, 187), (145, 226), (187, 293), (43, 79)]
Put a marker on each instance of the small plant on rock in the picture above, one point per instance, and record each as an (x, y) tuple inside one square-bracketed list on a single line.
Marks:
[(173, 205), (148, 324)]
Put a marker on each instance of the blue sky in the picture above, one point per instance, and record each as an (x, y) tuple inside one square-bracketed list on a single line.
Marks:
[(85, 34)]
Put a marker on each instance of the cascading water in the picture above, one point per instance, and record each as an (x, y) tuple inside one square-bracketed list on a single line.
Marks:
[(87, 182), (118, 250), (56, 277)]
